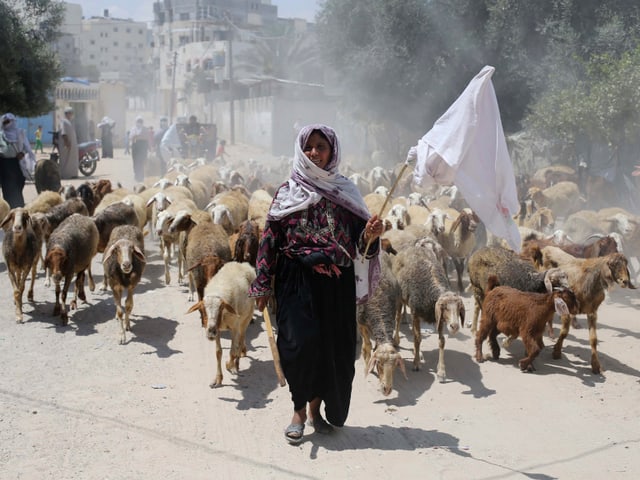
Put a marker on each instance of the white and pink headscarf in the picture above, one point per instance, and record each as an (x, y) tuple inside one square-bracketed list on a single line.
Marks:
[(309, 183)]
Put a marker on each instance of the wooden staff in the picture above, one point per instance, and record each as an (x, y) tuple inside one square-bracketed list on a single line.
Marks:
[(386, 200), (274, 348)]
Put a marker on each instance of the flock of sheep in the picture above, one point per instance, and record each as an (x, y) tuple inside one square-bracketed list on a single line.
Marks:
[(207, 220)]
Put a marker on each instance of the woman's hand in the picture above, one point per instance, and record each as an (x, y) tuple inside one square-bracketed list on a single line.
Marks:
[(261, 302), (373, 229)]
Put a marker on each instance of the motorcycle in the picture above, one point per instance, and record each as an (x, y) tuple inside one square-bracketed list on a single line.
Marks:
[(88, 154)]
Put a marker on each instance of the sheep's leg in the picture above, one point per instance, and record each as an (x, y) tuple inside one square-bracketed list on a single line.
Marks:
[(34, 271), (233, 365), (593, 340), (459, 265), (564, 331), (166, 256), (78, 291), (417, 339), (104, 285), (18, 292), (532, 347), (64, 318), (493, 342), (92, 284), (117, 299), (128, 309), (218, 380), (550, 327), (191, 287), (396, 330), (366, 346), (441, 371), (476, 314)]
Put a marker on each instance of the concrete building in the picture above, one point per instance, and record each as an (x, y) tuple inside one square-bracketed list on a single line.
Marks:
[(119, 48)]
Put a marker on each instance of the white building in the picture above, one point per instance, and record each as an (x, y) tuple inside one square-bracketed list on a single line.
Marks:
[(119, 48)]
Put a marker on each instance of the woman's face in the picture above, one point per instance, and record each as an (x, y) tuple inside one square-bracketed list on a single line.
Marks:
[(318, 150)]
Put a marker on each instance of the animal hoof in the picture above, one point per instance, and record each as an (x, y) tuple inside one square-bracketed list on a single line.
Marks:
[(73, 305)]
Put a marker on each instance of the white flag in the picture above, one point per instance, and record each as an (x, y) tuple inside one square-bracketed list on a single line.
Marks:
[(466, 147)]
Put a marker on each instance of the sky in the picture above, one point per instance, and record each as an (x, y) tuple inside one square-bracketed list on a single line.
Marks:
[(142, 10)]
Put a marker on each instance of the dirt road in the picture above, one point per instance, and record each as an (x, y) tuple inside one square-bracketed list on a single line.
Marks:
[(74, 404)]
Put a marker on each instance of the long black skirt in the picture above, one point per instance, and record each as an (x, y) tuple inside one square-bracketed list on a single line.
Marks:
[(316, 318)]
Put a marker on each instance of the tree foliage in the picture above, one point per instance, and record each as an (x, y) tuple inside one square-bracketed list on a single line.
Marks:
[(404, 61), (29, 70)]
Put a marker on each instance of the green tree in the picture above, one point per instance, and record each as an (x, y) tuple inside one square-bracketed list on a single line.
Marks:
[(28, 69)]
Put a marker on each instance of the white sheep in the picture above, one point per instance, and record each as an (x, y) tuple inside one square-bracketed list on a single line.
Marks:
[(228, 307)]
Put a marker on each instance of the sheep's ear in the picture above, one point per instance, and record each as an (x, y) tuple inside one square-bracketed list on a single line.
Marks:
[(7, 220), (561, 306), (372, 363), (228, 307), (150, 201), (139, 253), (461, 311), (400, 363), (547, 282), (196, 307), (108, 253)]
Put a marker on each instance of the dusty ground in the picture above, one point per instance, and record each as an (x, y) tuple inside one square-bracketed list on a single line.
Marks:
[(74, 404)]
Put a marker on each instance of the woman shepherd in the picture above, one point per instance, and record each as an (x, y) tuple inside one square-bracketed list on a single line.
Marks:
[(316, 231)]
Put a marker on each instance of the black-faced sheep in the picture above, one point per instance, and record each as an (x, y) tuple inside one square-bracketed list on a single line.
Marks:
[(589, 278), (520, 314), (376, 321), (20, 248), (124, 263), (70, 249), (228, 307), (425, 291)]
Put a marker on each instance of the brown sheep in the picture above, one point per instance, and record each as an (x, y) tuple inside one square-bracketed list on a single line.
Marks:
[(459, 240), (20, 248), (511, 271), (124, 263), (520, 314), (70, 249), (207, 251), (589, 278), (245, 246)]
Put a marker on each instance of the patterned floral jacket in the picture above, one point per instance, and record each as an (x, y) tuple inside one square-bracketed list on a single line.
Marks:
[(324, 233)]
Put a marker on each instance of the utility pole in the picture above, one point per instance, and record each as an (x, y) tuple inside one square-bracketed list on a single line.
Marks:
[(173, 87), (232, 113)]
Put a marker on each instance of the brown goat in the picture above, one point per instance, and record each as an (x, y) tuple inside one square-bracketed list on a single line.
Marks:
[(589, 278), (524, 314)]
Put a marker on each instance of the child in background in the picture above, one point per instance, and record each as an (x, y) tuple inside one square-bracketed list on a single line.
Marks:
[(39, 140)]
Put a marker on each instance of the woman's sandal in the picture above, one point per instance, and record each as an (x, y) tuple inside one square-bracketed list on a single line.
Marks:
[(294, 432), (320, 425)]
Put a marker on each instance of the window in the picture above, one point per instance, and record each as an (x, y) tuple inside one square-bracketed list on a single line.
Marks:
[(115, 29), (115, 44), (92, 42), (128, 30), (184, 16)]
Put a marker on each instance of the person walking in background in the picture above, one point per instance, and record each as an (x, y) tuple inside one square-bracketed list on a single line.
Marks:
[(127, 140), (38, 135), (69, 160), (161, 166), (316, 231), (139, 136), (17, 161), (106, 136)]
